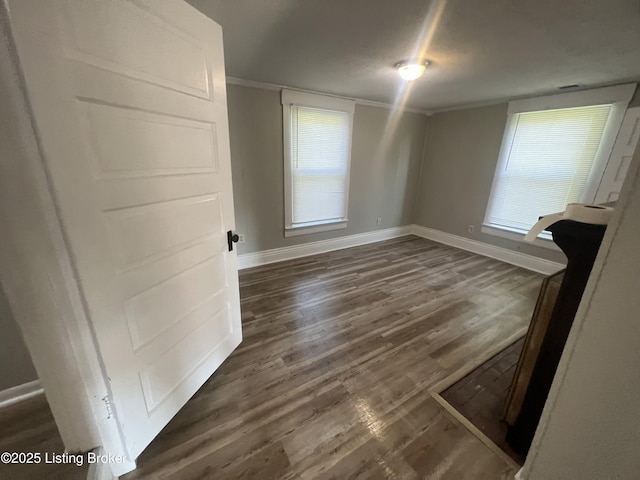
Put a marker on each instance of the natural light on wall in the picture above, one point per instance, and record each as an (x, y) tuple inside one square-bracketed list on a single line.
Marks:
[(317, 155), (549, 163), (319, 161), (554, 152)]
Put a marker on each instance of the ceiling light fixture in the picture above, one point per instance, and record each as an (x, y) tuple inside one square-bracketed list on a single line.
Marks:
[(410, 70)]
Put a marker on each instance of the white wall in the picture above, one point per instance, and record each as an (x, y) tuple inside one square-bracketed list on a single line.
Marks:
[(590, 428), (460, 156), (16, 367), (384, 169)]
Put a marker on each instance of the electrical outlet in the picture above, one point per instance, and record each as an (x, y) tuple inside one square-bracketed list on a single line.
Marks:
[(379, 221), (472, 228), (240, 238)]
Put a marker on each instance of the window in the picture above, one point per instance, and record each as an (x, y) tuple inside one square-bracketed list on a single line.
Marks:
[(317, 145), (554, 152)]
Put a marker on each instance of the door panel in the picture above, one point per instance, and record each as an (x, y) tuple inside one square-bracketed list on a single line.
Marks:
[(129, 143), (129, 102), (141, 233), (146, 47), (165, 374)]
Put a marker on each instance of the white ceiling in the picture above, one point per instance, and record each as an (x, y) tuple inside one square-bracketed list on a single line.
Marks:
[(481, 50)]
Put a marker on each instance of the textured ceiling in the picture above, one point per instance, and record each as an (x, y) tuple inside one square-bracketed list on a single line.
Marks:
[(481, 50)]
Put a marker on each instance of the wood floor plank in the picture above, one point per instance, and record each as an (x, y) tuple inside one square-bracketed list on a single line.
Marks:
[(338, 356), (29, 427), (333, 376)]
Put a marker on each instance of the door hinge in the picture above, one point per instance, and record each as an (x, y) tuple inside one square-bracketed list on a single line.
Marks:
[(107, 404)]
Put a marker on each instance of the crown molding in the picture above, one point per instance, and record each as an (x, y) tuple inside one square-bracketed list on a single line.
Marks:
[(359, 101), (497, 101), (468, 106)]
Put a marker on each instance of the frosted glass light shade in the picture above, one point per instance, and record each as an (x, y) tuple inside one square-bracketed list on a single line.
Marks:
[(411, 71)]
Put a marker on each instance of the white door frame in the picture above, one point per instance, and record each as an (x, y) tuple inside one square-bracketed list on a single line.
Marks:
[(624, 147), (37, 274)]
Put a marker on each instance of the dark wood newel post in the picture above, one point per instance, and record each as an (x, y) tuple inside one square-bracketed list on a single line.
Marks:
[(580, 242)]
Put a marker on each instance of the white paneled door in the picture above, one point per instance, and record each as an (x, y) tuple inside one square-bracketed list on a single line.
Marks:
[(129, 104)]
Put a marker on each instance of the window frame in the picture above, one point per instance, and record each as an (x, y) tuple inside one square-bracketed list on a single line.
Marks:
[(618, 96), (291, 98)]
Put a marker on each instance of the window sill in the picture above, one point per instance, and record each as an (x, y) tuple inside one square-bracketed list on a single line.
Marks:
[(309, 229), (544, 241)]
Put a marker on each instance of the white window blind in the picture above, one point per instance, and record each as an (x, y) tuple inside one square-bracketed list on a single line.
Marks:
[(320, 147), (546, 163)]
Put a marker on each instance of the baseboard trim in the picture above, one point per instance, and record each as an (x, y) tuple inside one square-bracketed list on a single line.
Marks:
[(249, 260), (100, 470), (20, 393), (529, 262), (265, 257)]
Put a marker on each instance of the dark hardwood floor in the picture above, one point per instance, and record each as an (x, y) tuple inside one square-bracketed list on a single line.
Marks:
[(332, 379), (29, 427), (339, 355)]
